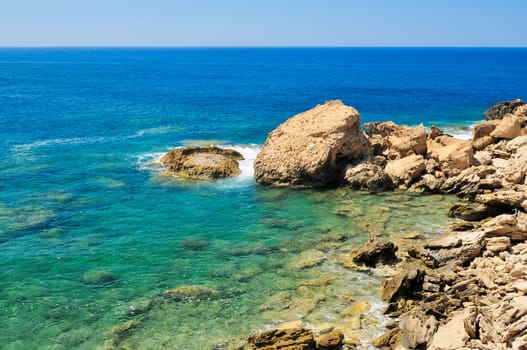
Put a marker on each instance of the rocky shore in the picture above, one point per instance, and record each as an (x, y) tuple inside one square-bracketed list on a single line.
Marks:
[(463, 290)]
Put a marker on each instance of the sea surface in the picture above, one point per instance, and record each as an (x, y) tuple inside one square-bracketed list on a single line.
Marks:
[(91, 233)]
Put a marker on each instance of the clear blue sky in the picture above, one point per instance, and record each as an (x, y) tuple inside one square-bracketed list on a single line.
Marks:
[(263, 23)]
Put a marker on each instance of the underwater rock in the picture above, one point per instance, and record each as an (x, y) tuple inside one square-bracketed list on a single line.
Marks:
[(293, 339), (312, 148), (306, 259), (191, 292), (98, 277), (202, 162)]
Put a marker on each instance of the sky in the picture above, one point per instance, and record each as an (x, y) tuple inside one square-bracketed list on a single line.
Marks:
[(263, 23)]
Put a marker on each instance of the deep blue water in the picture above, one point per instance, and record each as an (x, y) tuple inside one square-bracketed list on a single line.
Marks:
[(79, 129)]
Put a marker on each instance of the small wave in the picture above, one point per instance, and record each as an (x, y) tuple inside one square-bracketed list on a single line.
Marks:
[(60, 141), (460, 132), (156, 131), (249, 152), (149, 161)]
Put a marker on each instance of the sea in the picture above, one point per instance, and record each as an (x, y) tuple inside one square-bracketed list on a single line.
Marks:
[(92, 233)]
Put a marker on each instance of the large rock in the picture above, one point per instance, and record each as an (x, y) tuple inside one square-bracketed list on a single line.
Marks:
[(500, 109), (481, 133), (404, 285), (374, 253), (202, 162), (417, 330), (459, 246), (283, 339), (453, 155), (405, 170), (312, 148), (368, 177), (508, 128), (406, 141)]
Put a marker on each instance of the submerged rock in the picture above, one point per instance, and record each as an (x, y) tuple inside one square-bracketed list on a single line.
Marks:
[(99, 277), (191, 292), (293, 339), (312, 148), (202, 162), (306, 259)]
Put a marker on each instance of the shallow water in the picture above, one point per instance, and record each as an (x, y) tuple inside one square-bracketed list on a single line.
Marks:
[(80, 190)]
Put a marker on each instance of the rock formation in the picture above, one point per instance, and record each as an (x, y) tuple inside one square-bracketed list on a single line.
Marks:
[(500, 109), (312, 148), (197, 162)]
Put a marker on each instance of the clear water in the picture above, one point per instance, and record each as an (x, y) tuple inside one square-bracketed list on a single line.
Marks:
[(80, 130)]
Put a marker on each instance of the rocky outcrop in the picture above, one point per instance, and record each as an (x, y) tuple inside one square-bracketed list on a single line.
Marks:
[(500, 109), (202, 162), (473, 298), (375, 252), (191, 292), (312, 148)]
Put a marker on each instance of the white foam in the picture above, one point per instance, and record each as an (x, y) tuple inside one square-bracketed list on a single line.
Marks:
[(149, 161), (463, 133), (249, 153), (155, 131), (59, 141)]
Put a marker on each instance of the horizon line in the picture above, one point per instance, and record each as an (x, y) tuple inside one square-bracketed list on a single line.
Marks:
[(252, 47)]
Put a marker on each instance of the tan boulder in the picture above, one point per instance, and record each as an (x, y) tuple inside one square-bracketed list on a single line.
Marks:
[(481, 134), (417, 330), (405, 170), (382, 129), (452, 154), (508, 128), (450, 336), (405, 141), (202, 162), (312, 148)]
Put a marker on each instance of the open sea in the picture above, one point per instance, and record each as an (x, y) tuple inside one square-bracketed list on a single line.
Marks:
[(91, 234)]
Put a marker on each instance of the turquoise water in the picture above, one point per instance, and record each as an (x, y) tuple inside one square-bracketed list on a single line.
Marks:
[(80, 189)]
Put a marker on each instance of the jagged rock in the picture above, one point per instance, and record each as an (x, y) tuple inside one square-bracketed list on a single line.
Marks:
[(459, 246), (453, 155), (330, 341), (508, 128), (312, 148), (202, 162), (461, 226), (404, 285), (417, 330), (191, 292), (498, 244), (504, 199), (389, 340), (500, 109), (513, 226), (472, 211), (405, 141), (450, 336), (283, 339), (405, 170), (483, 158), (375, 252), (382, 129), (369, 177)]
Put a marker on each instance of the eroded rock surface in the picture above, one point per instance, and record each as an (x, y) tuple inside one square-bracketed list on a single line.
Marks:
[(202, 162), (312, 148)]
